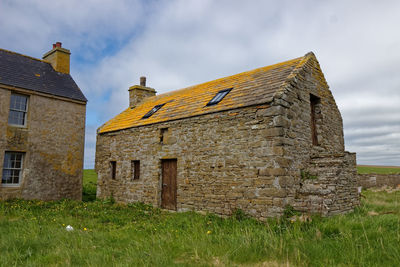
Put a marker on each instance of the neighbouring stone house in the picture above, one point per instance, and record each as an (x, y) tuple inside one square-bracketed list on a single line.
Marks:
[(42, 127), (258, 141)]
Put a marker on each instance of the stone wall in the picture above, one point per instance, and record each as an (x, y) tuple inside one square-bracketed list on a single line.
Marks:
[(329, 185), (53, 143), (378, 180), (333, 188), (225, 162)]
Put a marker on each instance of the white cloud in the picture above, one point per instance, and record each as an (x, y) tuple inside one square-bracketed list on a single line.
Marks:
[(181, 43), (30, 26)]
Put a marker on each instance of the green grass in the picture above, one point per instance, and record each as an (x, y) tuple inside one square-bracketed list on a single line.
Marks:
[(89, 185), (32, 233), (364, 169)]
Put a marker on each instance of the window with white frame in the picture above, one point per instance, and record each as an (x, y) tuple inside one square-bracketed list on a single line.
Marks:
[(12, 168), (18, 109)]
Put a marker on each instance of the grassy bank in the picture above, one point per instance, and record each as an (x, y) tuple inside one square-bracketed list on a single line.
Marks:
[(107, 234), (363, 169)]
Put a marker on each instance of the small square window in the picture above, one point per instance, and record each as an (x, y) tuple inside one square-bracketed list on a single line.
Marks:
[(12, 168), (113, 165), (18, 109), (218, 97), (135, 169)]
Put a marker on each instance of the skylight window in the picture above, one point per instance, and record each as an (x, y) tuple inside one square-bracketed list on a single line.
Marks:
[(152, 111), (218, 97)]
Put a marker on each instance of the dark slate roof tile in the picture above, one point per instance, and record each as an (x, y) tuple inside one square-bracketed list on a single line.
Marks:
[(36, 75)]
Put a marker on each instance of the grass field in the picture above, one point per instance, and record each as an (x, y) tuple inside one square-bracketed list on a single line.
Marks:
[(378, 169), (32, 233), (89, 185)]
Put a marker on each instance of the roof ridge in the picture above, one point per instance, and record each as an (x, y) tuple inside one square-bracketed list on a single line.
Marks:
[(293, 74), (19, 54), (218, 79)]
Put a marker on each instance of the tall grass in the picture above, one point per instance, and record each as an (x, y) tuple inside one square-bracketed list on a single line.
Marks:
[(32, 233)]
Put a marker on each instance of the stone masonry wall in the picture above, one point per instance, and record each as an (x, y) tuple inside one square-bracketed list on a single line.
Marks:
[(329, 186), (225, 161), (378, 180), (301, 157), (53, 143)]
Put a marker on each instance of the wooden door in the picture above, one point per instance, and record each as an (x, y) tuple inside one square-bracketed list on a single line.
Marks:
[(168, 188)]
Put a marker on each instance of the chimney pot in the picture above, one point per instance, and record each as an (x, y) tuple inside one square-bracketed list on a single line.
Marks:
[(54, 46), (58, 44), (143, 81)]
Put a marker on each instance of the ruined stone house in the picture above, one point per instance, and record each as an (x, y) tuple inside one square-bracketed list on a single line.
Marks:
[(259, 141), (42, 127)]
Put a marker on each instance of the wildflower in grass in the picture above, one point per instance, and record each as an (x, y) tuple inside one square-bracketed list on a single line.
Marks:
[(84, 229), (209, 232)]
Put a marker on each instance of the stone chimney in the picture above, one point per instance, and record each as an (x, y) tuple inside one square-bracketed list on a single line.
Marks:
[(138, 93), (58, 57)]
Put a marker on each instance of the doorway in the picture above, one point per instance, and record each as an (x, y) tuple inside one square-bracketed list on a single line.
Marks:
[(168, 185)]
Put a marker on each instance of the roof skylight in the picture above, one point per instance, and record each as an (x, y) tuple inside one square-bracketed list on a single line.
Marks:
[(218, 97), (152, 111)]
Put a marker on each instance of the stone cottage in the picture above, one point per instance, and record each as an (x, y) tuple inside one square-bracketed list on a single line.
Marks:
[(42, 127), (259, 141)]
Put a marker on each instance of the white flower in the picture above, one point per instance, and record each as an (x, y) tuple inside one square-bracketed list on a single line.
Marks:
[(69, 228)]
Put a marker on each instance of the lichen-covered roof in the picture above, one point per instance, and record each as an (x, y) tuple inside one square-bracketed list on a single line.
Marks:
[(249, 88), (36, 75)]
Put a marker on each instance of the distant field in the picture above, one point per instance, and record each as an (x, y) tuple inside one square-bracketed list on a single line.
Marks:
[(363, 169)]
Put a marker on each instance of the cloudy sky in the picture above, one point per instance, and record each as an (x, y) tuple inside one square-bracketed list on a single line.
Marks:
[(178, 43)]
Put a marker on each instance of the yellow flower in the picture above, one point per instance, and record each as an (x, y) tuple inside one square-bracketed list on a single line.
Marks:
[(63, 224), (208, 232), (84, 229)]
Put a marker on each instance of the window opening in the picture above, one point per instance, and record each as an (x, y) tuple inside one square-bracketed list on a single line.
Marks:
[(152, 111), (18, 109), (314, 101), (135, 169), (113, 169), (218, 97), (163, 134), (12, 168)]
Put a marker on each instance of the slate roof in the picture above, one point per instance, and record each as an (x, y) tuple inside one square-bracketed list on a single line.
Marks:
[(253, 87), (36, 75)]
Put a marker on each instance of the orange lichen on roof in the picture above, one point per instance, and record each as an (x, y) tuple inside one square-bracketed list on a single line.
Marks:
[(249, 88)]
